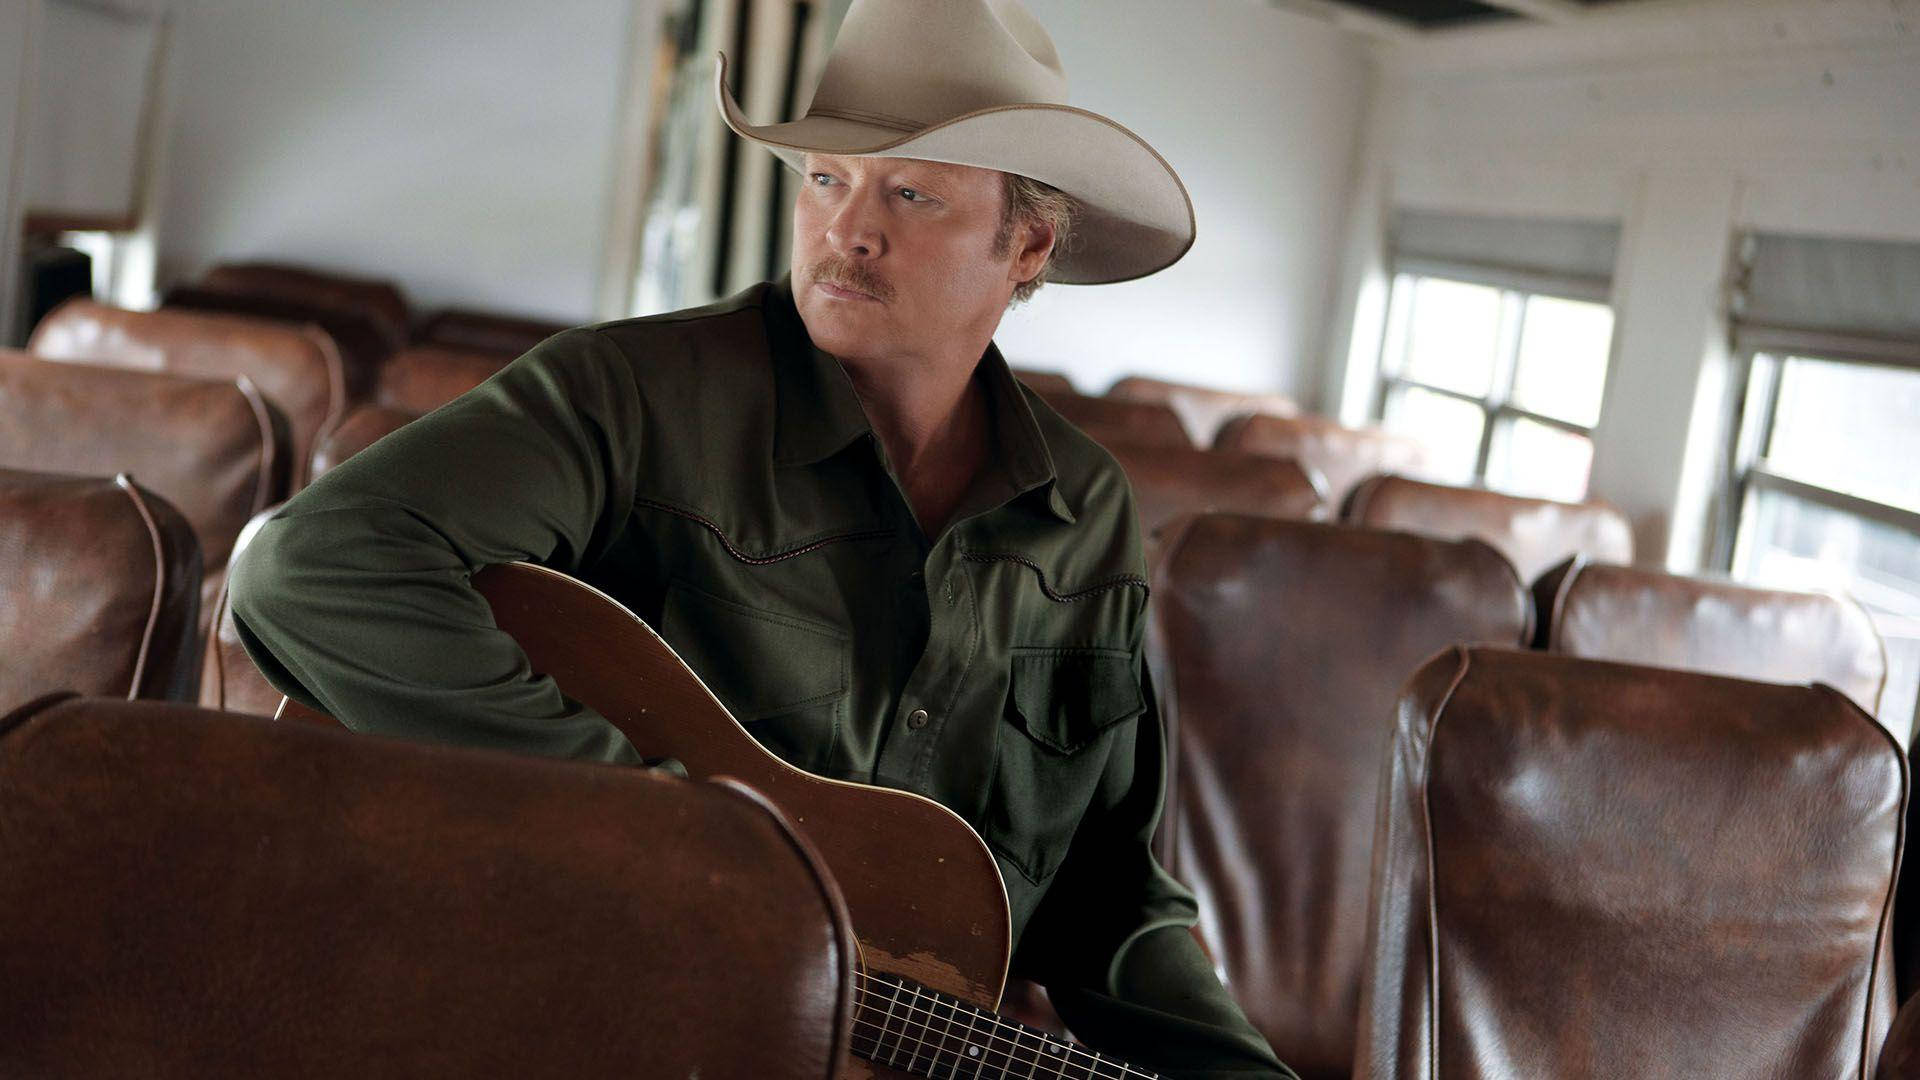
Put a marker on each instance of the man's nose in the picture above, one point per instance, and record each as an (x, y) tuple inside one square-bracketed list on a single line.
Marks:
[(855, 230)]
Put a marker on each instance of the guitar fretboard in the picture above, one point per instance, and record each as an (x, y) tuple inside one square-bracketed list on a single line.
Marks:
[(905, 1026)]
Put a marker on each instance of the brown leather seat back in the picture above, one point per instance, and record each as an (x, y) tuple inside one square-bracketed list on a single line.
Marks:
[(1343, 455), (422, 378), (1202, 409), (1534, 534), (216, 450), (1638, 616), (379, 300), (296, 368), (363, 340), (483, 331), (1594, 869), (1171, 482), (195, 894), (1286, 645), (1111, 422), (101, 593), (362, 427)]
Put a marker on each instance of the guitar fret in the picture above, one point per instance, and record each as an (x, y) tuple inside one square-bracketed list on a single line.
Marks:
[(937, 1055), (893, 999), (906, 1019), (926, 1029), (995, 1046), (973, 1050)]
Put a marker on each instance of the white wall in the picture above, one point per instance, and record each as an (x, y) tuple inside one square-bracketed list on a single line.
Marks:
[(462, 147), (1686, 123), (1259, 110)]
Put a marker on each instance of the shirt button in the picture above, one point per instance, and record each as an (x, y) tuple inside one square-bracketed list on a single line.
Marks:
[(917, 719)]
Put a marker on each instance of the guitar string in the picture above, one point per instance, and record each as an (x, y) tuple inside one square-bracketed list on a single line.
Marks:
[(1055, 1066), (1067, 1054), (1059, 1060)]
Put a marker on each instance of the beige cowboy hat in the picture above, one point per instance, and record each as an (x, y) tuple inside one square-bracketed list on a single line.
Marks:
[(977, 82)]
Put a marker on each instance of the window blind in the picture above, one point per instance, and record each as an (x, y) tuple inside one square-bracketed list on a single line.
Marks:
[(1829, 296), (1560, 257)]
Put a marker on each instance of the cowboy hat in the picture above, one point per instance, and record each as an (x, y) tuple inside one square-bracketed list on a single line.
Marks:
[(977, 82)]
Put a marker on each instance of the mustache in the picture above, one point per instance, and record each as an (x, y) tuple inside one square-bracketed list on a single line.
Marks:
[(848, 274)]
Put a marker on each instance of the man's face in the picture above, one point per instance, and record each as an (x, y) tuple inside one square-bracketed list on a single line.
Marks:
[(893, 257)]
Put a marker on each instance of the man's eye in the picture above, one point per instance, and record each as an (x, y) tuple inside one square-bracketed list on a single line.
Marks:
[(911, 195), (820, 179)]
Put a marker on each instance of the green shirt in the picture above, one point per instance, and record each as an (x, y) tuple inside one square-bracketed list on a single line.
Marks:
[(715, 472)]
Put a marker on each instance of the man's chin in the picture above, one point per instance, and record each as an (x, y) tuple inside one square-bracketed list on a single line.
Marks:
[(832, 324)]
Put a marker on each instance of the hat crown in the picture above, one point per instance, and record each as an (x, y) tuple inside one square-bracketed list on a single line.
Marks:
[(908, 64)]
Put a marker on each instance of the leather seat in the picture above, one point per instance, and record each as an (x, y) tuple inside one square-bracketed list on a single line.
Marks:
[(363, 339), (1595, 869), (1534, 534), (297, 368), (421, 378), (102, 589), (1284, 648), (1171, 482), (217, 451), (380, 300), (1202, 409), (362, 428), (1111, 422), (194, 894), (1343, 456), (1637, 616), (483, 331)]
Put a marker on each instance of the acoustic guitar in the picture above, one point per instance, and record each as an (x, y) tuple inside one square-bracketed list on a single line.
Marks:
[(928, 906)]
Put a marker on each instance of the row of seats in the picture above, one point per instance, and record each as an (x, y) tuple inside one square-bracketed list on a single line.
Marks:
[(1281, 641), (1282, 648), (223, 403), (1577, 869), (1155, 412)]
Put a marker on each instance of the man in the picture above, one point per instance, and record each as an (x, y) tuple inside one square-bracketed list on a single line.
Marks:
[(892, 563)]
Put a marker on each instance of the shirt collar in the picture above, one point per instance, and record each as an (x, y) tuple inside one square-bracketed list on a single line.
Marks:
[(820, 415)]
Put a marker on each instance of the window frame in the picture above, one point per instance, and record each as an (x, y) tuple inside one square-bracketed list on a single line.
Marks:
[(1497, 406), (1761, 355)]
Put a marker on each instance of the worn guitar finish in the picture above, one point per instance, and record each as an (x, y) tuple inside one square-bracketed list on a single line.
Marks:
[(924, 894)]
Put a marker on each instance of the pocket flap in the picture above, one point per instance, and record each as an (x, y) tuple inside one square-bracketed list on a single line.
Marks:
[(1067, 697)]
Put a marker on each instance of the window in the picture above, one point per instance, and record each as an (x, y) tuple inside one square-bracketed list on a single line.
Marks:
[(1502, 384), (1823, 490), (1829, 496)]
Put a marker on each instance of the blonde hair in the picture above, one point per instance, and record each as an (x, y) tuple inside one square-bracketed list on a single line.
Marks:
[(1029, 201)]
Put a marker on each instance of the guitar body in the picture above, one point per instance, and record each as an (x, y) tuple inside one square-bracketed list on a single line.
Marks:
[(923, 892)]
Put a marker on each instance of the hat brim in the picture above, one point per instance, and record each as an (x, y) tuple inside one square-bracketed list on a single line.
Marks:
[(1136, 217)]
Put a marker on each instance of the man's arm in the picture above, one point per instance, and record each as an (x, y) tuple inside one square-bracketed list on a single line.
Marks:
[(1111, 940), (356, 597)]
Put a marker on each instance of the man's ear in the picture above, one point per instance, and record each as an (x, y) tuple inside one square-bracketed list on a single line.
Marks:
[(1034, 244)]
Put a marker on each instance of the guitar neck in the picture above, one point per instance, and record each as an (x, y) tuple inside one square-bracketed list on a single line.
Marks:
[(905, 1026)]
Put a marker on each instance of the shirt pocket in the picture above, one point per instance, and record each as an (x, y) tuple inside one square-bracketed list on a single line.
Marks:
[(1063, 705), (785, 678)]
